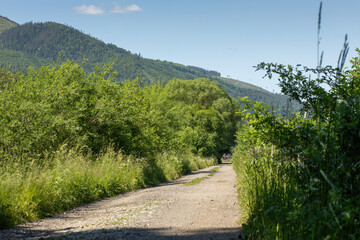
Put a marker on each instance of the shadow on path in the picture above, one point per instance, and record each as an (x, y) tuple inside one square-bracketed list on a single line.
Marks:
[(126, 233)]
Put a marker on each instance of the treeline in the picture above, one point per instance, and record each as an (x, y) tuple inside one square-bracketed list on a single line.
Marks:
[(299, 176), (58, 103), (82, 131), (6, 23)]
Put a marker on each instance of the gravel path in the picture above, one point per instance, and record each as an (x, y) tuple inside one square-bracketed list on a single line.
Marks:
[(207, 210)]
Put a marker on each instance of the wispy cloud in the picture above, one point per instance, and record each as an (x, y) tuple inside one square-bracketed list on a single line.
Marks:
[(126, 9), (90, 10)]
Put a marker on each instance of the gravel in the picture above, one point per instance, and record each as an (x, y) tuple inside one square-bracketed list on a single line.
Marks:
[(207, 210)]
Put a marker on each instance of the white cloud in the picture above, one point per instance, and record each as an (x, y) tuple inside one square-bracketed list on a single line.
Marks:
[(91, 10), (126, 9)]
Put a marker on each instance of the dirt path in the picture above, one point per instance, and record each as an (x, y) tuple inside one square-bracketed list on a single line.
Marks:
[(207, 210)]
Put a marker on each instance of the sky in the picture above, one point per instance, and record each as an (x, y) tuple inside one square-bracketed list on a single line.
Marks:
[(228, 36)]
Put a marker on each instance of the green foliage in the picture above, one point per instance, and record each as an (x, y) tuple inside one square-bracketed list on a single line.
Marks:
[(61, 103), (299, 176), (201, 115), (175, 163)]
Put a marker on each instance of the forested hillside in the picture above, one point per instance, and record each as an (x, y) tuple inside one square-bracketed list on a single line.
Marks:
[(36, 44), (47, 40), (6, 23)]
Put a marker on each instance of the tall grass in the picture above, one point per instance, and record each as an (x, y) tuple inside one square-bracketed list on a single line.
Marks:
[(274, 205), (299, 176), (177, 163), (306, 197), (268, 195), (30, 192)]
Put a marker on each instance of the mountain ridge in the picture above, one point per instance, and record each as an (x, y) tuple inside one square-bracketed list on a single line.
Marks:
[(40, 44), (6, 23)]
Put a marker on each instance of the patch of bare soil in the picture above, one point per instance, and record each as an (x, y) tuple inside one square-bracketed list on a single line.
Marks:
[(207, 210)]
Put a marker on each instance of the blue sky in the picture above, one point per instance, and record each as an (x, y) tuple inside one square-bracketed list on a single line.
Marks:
[(229, 36)]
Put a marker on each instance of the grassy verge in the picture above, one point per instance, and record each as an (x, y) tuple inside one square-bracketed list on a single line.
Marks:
[(278, 202), (268, 197), (28, 193)]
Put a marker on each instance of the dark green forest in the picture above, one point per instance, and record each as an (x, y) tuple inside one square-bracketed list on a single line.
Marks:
[(6, 23), (37, 44)]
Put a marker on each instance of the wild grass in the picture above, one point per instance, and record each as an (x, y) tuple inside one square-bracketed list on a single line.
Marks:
[(299, 175), (177, 163), (267, 194), (28, 193), (282, 199)]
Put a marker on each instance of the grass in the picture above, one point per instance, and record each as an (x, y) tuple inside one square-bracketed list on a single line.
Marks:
[(278, 201), (213, 171), (68, 179), (265, 191), (196, 181), (199, 180)]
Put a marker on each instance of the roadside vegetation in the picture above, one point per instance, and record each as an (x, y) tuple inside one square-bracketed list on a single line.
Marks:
[(68, 137), (299, 176)]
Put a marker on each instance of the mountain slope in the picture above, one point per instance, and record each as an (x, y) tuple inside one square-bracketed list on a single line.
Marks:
[(36, 44), (6, 23), (47, 40)]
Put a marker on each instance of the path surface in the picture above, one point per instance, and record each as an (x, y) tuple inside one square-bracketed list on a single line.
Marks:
[(207, 210)]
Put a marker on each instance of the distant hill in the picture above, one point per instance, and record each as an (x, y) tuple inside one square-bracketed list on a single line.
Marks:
[(6, 23), (36, 44), (47, 40)]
